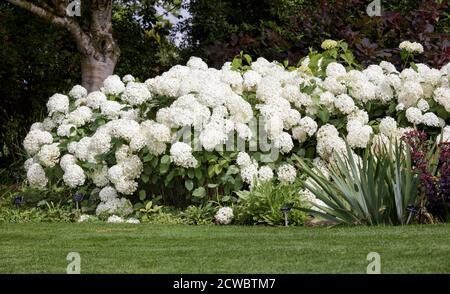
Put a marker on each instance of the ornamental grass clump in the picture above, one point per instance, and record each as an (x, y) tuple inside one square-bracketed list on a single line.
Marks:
[(373, 189)]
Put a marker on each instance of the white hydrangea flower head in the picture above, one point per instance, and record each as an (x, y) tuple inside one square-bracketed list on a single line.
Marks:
[(335, 70), (112, 85), (309, 196), (80, 116), (414, 115), (445, 135), (196, 63), (100, 177), (265, 174), (107, 194), (133, 220), (423, 105), (35, 139), (95, 99), (128, 78), (84, 218), (287, 173), (442, 96), (344, 103), (82, 149), (249, 173), (181, 155), (36, 176), (66, 130), (410, 93), (411, 47), (100, 142), (243, 159), (283, 142), (78, 92), (66, 161), (37, 126), (430, 119), (49, 154), (388, 67), (111, 109), (126, 187), (224, 215), (58, 103), (48, 124), (360, 115), (251, 80), (359, 137), (114, 219), (28, 163), (388, 127), (74, 176), (136, 93)]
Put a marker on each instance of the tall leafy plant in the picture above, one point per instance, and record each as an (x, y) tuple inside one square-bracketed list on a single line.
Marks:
[(373, 189)]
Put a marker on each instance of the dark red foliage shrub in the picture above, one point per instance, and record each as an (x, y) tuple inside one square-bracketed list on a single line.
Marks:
[(289, 34), (435, 180)]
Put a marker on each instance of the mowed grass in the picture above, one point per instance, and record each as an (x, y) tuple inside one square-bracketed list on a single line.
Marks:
[(114, 248)]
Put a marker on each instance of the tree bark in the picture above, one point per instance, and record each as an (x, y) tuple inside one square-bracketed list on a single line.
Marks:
[(94, 72), (92, 32), (96, 43)]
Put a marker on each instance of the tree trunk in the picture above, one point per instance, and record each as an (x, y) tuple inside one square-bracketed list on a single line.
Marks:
[(94, 72), (96, 43), (92, 32)]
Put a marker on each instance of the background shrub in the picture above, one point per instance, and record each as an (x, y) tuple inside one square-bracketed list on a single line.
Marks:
[(286, 29)]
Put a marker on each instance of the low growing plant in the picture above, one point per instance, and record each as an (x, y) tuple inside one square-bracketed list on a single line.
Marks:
[(263, 205), (199, 215)]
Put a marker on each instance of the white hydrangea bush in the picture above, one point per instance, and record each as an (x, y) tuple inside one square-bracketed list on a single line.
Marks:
[(126, 141)]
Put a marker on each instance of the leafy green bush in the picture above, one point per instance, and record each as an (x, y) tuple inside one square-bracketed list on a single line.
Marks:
[(263, 205), (199, 215), (47, 212), (374, 189), (165, 218)]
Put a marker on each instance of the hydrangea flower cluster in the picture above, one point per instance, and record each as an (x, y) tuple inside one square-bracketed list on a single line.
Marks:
[(224, 215), (99, 139)]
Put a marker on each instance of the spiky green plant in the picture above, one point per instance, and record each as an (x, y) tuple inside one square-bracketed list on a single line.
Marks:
[(373, 189)]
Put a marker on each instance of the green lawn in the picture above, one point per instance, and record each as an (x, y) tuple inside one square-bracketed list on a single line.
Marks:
[(108, 248)]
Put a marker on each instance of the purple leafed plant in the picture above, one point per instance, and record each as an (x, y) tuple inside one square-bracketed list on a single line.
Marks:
[(435, 181)]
